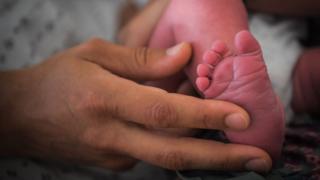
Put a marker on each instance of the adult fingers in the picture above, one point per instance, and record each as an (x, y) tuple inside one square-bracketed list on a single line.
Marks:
[(135, 63), (190, 153), (159, 109)]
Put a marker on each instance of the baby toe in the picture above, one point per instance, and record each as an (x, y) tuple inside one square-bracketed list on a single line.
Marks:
[(202, 83), (203, 70)]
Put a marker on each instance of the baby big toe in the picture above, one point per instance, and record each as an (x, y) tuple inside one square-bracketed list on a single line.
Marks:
[(245, 43)]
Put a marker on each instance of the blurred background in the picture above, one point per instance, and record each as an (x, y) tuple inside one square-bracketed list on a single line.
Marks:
[(32, 30)]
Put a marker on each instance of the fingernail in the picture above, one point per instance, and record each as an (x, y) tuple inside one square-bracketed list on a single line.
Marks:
[(174, 50), (258, 165), (236, 122)]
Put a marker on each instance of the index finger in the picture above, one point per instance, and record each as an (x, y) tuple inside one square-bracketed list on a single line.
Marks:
[(158, 108)]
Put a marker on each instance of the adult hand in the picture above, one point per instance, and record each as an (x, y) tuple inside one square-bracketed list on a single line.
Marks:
[(83, 106), (137, 32)]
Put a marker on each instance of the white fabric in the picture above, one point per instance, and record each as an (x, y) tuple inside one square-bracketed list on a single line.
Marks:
[(279, 39)]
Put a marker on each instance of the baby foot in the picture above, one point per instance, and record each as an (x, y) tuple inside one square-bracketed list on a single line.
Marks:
[(243, 80)]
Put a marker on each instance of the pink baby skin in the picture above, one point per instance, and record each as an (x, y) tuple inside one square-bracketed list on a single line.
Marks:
[(227, 65)]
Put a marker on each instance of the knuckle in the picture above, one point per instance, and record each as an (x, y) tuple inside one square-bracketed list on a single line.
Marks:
[(94, 104), (162, 115), (140, 57), (100, 139), (174, 160), (90, 102), (207, 120)]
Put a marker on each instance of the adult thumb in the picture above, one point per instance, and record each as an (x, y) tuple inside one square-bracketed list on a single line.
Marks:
[(138, 63)]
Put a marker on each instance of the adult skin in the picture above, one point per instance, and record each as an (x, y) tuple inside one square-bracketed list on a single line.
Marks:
[(83, 105)]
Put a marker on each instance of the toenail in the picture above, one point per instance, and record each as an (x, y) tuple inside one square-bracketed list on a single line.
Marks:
[(236, 122), (174, 50), (258, 165)]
